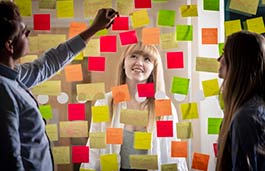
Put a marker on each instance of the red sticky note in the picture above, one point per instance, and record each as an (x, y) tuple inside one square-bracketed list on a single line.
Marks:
[(164, 128), (96, 63), (175, 60), (80, 154), (121, 23), (108, 44), (142, 4), (128, 37), (215, 149), (146, 90), (76, 111), (41, 22)]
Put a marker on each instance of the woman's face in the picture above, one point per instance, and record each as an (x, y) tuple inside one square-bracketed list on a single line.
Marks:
[(223, 68), (138, 67)]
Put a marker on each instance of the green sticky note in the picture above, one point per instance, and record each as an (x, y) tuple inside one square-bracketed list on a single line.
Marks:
[(221, 48), (189, 111), (180, 85), (184, 32), (46, 111), (212, 5), (166, 18), (109, 162), (214, 125)]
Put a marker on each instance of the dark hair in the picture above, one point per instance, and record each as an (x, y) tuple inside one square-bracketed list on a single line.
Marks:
[(10, 20)]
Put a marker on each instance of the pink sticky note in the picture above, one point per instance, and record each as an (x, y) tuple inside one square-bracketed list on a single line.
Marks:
[(175, 60), (76, 111), (108, 44), (215, 149), (121, 23), (41, 22), (146, 90), (142, 4), (128, 37), (96, 63), (80, 154), (164, 128)]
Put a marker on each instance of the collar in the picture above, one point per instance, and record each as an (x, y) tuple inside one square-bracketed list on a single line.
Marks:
[(8, 72)]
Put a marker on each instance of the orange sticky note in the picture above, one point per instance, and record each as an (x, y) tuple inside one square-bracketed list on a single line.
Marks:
[(120, 93), (209, 36), (73, 73), (76, 28), (163, 107), (151, 35), (179, 149), (200, 161), (114, 136)]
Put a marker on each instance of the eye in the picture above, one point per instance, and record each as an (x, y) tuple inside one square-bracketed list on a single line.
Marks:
[(133, 56), (148, 59)]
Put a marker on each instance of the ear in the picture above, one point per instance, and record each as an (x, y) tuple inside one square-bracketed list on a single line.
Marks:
[(9, 46)]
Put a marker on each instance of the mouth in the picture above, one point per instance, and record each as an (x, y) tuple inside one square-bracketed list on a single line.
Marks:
[(138, 70)]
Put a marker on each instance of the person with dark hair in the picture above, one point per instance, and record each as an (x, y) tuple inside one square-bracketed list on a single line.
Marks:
[(242, 136), (24, 145)]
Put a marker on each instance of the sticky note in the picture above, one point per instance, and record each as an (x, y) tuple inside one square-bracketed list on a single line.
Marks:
[(65, 9), (76, 28), (244, 6), (163, 107), (209, 36), (109, 162), (180, 85), (108, 44), (212, 5), (169, 167), (221, 48), (128, 37), (189, 111), (179, 149), (28, 58), (142, 140), (41, 22), (215, 149), (125, 7), (46, 111), (120, 23), (232, 26), (142, 4), (164, 128), (207, 64), (256, 25), (210, 87), (51, 88), (25, 7), (200, 161), (52, 131), (134, 117), (214, 125), (100, 114), (120, 93), (166, 18), (184, 32), (97, 140), (91, 7), (144, 162), (146, 90), (47, 4), (47, 41), (184, 130), (73, 72), (80, 154), (189, 10), (73, 129), (140, 18), (96, 63), (61, 154), (114, 135), (175, 60), (90, 91), (151, 35), (92, 48), (76, 111)]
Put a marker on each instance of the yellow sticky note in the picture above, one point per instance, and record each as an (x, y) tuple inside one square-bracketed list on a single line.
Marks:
[(256, 25), (184, 130), (245, 6), (61, 154), (125, 7), (51, 88), (91, 91), (232, 26), (189, 10), (65, 9), (151, 35), (52, 132), (210, 87), (142, 140), (140, 18), (47, 41), (75, 129), (33, 44), (109, 162), (73, 72), (79, 56), (28, 58), (144, 162), (134, 117), (92, 48), (97, 140), (25, 7), (189, 111), (100, 114), (76, 28), (168, 41), (207, 64), (91, 6)]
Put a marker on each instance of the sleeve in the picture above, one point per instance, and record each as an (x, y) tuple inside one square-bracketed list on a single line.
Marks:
[(10, 157), (50, 62)]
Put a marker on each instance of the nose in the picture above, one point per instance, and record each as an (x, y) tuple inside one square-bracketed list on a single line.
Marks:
[(219, 59), (139, 61)]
